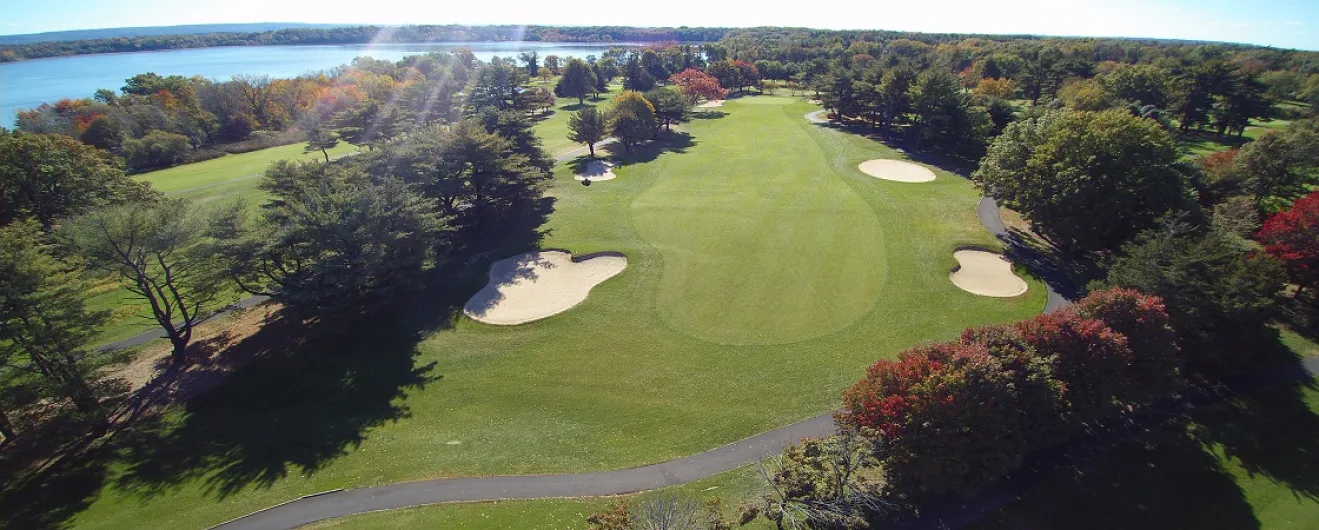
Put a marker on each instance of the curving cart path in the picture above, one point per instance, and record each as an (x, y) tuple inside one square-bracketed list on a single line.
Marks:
[(341, 503)]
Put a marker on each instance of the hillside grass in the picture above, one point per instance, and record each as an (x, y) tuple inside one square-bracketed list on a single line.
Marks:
[(626, 378)]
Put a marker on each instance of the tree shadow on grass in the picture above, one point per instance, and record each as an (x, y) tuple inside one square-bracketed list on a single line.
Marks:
[(1274, 433), (666, 142), (1163, 479), (313, 393)]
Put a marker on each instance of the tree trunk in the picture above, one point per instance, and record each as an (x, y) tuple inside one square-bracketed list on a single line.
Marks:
[(591, 146), (327, 155), (7, 427), (581, 100)]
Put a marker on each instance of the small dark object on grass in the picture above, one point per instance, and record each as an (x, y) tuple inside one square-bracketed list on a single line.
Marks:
[(586, 182)]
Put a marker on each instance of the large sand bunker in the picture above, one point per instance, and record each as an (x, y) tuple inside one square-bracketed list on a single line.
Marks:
[(714, 103), (986, 274), (597, 170), (536, 285), (896, 170)]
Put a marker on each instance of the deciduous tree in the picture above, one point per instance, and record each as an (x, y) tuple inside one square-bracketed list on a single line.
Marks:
[(1088, 179), (48, 176), (632, 119), (588, 126), (670, 105), (578, 81), (1292, 237)]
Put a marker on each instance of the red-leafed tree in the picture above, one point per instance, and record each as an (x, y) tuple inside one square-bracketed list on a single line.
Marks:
[(1088, 357), (1144, 321), (947, 414), (1292, 236), (698, 85)]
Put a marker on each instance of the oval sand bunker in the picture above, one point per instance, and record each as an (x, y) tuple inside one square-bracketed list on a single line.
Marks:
[(986, 274), (597, 170), (896, 170), (536, 285)]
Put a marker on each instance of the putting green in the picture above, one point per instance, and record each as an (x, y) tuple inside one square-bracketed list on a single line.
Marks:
[(792, 251)]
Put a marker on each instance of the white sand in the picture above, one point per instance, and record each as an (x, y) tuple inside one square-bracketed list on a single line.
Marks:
[(986, 274), (536, 285), (597, 170), (714, 103), (896, 170)]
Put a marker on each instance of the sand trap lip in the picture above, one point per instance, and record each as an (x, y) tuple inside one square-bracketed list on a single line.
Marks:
[(597, 170), (986, 274), (819, 116), (896, 170), (714, 103), (535, 285)]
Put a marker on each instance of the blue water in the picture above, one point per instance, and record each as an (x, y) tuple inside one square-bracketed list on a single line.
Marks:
[(27, 84)]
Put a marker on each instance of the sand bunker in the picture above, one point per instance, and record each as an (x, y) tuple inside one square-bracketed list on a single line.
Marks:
[(711, 104), (986, 274), (896, 170), (536, 285), (597, 170)]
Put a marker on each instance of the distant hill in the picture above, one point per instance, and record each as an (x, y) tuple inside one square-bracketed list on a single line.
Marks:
[(193, 29)]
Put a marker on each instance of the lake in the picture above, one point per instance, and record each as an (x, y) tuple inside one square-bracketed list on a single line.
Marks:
[(27, 84)]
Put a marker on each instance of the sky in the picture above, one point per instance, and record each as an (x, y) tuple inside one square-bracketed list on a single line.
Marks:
[(1278, 23)]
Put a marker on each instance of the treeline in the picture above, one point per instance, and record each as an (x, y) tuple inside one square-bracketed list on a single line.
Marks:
[(361, 35), (452, 169)]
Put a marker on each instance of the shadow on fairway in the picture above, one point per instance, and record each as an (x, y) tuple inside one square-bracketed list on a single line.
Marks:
[(313, 394), (667, 142)]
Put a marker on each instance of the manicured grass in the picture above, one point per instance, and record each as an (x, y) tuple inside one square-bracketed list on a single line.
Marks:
[(553, 129), (622, 380), (1252, 462), (230, 177)]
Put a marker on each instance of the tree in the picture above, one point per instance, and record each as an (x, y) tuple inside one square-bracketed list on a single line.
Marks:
[(999, 88), (1088, 179), (936, 99), (587, 126), (1144, 321), (1215, 291), (156, 149), (698, 85), (1089, 358), (734, 74), (43, 317), (578, 81), (632, 119), (531, 61), (496, 85), (103, 133), (553, 63), (48, 177), (256, 91), (332, 241), (670, 105), (536, 99), (370, 124), (1292, 237), (824, 483), (155, 251), (1281, 165), (321, 139), (636, 77), (946, 414)]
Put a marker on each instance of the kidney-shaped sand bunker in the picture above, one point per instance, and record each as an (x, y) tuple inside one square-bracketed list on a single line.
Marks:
[(896, 170), (986, 274), (536, 285)]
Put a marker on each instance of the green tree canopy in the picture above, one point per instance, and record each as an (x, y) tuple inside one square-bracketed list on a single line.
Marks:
[(1090, 180), (49, 176)]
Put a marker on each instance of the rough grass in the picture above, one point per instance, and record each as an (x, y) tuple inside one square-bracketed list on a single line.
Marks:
[(619, 381)]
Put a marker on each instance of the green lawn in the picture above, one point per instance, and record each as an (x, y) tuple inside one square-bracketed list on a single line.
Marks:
[(553, 129), (207, 183), (756, 214)]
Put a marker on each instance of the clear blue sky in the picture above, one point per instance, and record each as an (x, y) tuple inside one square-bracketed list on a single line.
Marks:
[(1281, 23)]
